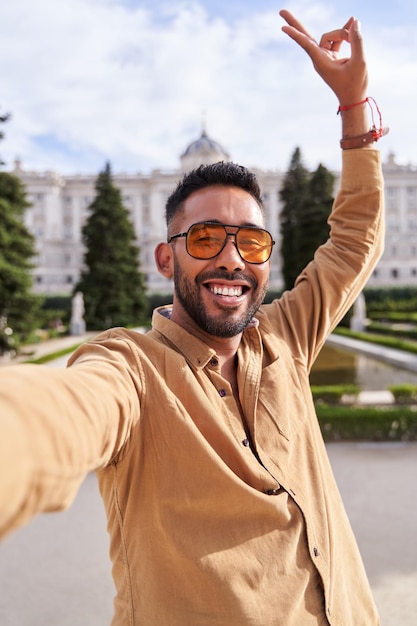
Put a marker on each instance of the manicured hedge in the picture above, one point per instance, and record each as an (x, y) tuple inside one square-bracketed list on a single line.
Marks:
[(405, 393), (392, 331), (397, 317), (348, 423), (382, 340), (333, 394), (391, 298)]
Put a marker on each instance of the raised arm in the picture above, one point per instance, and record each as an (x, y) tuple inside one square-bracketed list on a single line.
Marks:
[(328, 286)]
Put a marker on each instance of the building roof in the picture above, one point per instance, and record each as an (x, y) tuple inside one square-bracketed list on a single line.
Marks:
[(203, 150)]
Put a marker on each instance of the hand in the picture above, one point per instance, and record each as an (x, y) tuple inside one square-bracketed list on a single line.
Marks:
[(347, 77)]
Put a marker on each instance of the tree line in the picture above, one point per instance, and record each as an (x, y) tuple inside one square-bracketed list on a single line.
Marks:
[(306, 205), (111, 279)]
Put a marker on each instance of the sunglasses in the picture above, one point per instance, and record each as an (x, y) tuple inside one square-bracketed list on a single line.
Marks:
[(205, 240)]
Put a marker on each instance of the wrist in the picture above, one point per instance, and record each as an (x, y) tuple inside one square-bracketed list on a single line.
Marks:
[(356, 130)]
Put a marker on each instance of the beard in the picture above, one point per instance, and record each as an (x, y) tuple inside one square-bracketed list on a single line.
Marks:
[(225, 324)]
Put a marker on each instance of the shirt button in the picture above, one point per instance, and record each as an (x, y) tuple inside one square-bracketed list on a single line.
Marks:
[(214, 362), (246, 443), (222, 393), (272, 492)]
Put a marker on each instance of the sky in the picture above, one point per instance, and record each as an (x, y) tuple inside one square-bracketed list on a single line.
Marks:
[(133, 82)]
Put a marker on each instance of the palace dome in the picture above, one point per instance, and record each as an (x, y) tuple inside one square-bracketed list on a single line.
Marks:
[(202, 151)]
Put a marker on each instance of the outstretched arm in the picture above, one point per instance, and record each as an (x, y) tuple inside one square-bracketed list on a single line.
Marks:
[(346, 76)]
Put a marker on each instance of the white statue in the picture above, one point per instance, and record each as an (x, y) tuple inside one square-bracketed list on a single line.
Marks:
[(77, 314), (358, 320)]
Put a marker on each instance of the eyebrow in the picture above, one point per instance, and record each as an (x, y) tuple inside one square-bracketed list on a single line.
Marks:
[(244, 225)]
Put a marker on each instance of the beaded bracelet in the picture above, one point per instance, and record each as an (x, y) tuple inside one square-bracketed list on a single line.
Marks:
[(372, 135)]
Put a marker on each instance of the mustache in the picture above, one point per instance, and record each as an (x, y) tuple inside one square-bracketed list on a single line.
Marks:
[(226, 276)]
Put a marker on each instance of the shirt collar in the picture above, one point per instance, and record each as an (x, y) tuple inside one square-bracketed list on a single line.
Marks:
[(194, 350)]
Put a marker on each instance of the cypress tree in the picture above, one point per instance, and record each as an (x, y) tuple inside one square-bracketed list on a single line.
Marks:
[(111, 282), (18, 306), (307, 203), (313, 229), (293, 196)]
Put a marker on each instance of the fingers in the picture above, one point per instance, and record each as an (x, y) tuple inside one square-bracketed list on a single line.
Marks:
[(347, 77), (349, 23), (297, 32), (349, 33), (356, 41), (294, 23), (331, 41)]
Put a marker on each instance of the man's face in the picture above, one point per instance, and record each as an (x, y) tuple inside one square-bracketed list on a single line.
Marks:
[(218, 296)]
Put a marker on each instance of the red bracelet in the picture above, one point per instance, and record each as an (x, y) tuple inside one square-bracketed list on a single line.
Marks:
[(346, 107)]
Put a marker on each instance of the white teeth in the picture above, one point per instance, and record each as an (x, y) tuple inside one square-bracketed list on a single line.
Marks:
[(227, 291)]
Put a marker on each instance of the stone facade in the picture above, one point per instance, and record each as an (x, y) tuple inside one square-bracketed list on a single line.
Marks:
[(59, 207), (398, 265)]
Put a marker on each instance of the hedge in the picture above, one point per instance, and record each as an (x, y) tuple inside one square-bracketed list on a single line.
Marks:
[(405, 393), (333, 394), (382, 340), (385, 329), (347, 423)]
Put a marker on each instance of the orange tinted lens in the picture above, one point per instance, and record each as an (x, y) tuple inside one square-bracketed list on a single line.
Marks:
[(204, 241), (254, 244)]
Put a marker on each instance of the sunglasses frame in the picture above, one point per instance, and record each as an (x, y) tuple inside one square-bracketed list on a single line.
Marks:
[(227, 234)]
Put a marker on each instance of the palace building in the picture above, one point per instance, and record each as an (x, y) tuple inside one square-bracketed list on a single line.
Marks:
[(59, 207)]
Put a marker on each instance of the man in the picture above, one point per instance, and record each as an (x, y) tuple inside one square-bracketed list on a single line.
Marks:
[(222, 508)]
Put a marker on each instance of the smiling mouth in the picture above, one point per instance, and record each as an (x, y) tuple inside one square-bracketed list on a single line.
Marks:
[(236, 291)]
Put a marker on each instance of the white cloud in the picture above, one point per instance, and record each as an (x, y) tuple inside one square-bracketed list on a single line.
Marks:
[(88, 81)]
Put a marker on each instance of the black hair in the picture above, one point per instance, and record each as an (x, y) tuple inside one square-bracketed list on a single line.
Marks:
[(221, 173)]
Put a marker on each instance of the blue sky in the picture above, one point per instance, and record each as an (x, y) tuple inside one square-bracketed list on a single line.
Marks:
[(130, 81)]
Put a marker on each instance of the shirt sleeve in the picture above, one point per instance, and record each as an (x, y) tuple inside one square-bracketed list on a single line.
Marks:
[(56, 425), (329, 285)]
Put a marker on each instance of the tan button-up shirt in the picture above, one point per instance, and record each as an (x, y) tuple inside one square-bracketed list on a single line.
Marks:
[(215, 518)]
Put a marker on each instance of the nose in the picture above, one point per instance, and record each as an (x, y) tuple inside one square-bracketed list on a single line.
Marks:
[(229, 257)]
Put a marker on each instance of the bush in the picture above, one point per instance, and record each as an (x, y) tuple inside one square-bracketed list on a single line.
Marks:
[(393, 331), (343, 423), (55, 310), (407, 317), (381, 340), (405, 393), (158, 299), (391, 299), (333, 394)]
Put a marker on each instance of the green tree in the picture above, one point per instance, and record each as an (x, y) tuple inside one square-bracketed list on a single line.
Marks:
[(112, 284), (3, 119), (307, 202), (313, 229), (293, 196), (18, 306)]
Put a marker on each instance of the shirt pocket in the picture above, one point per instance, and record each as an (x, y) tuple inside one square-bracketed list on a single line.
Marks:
[(282, 406)]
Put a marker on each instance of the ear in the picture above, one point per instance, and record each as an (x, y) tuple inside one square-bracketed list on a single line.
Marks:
[(164, 259)]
